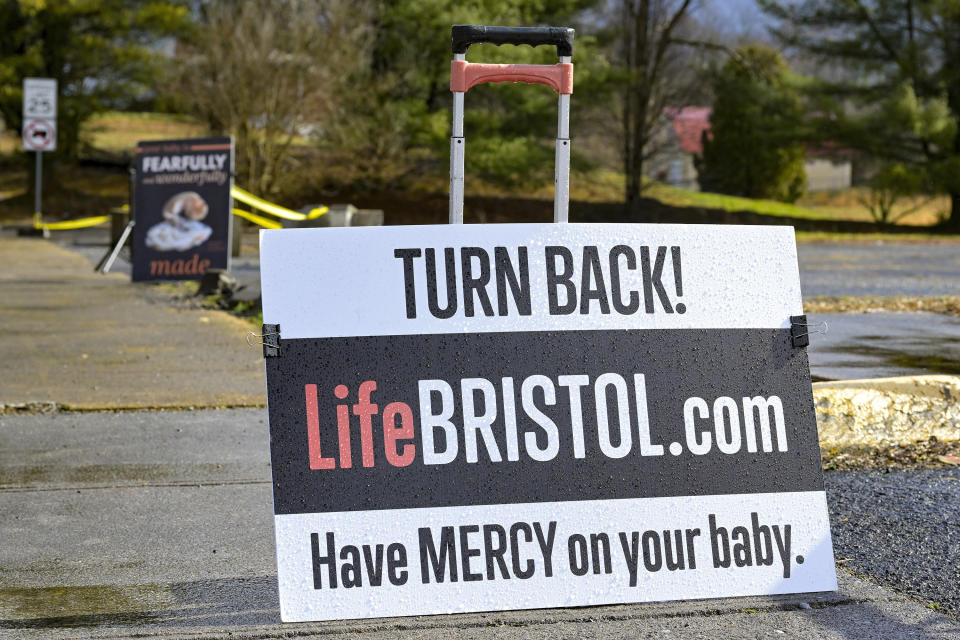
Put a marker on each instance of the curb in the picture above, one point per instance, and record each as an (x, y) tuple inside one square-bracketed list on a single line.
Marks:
[(887, 411)]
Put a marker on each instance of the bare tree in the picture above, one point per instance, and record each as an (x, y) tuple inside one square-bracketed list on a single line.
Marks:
[(268, 71), (649, 50)]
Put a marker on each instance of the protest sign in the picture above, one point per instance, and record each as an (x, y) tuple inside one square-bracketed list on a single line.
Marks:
[(470, 418), (182, 208)]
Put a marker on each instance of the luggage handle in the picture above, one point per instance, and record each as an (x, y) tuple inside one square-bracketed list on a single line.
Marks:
[(464, 35), (559, 77), (464, 75)]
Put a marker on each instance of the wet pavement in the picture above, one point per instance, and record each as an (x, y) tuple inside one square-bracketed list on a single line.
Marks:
[(159, 524), (879, 269), (85, 340), (884, 344)]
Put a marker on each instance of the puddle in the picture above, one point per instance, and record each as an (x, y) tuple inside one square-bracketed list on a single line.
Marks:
[(909, 361), (110, 474), (223, 602), (885, 344), (88, 606)]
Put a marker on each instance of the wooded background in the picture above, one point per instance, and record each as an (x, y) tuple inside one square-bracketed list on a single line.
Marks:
[(354, 94)]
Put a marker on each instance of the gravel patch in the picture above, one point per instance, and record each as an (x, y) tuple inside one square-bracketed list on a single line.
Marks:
[(900, 529)]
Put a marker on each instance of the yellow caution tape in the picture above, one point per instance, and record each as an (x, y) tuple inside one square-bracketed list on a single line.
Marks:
[(267, 207), (316, 213), (266, 223), (71, 224), (236, 192)]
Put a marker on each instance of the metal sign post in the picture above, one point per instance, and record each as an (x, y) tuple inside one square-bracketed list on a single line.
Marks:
[(39, 130), (38, 189)]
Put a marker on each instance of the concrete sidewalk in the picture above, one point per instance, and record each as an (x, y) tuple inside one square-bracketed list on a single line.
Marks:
[(84, 340), (159, 524)]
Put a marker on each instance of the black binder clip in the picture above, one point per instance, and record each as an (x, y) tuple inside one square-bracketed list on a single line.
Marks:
[(270, 340), (800, 331)]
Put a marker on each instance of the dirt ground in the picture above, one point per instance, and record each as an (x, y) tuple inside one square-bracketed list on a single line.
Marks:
[(922, 454)]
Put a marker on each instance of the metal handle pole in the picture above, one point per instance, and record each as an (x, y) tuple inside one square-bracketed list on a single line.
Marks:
[(560, 77), (561, 182), (456, 155)]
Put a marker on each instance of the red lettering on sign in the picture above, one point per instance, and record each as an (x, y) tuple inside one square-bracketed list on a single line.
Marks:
[(392, 433), (179, 267), (343, 427), (364, 409), (317, 461)]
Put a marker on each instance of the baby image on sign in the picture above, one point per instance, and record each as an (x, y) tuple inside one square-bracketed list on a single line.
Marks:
[(181, 228)]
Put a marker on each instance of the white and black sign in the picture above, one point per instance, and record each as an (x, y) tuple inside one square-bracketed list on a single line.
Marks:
[(182, 208), (39, 135), (39, 99), (470, 418)]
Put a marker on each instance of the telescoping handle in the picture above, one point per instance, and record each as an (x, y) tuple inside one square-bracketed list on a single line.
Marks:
[(559, 77), (464, 35)]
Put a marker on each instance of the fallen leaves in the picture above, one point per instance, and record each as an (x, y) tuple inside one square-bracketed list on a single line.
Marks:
[(931, 453), (864, 304)]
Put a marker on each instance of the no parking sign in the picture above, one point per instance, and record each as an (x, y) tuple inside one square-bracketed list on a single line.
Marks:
[(39, 135), (470, 418)]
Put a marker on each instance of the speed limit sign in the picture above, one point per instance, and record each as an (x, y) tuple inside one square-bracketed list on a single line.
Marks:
[(39, 99)]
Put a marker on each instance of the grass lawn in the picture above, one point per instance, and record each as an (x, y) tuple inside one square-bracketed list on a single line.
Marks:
[(876, 238), (685, 198), (847, 204), (823, 205), (118, 132), (607, 186)]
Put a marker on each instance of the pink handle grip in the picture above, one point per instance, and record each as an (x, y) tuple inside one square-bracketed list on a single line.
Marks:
[(464, 75)]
